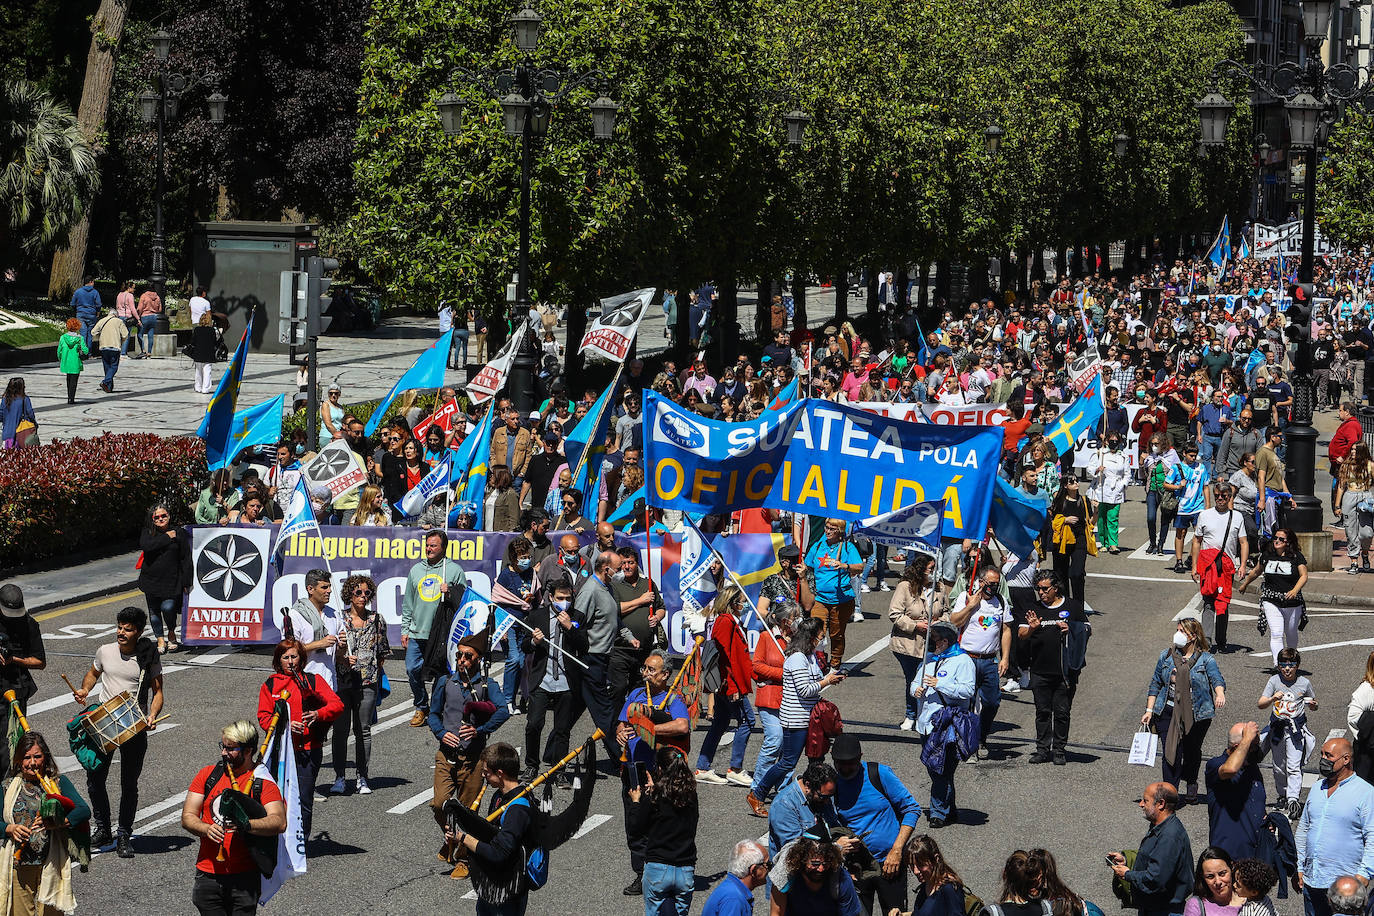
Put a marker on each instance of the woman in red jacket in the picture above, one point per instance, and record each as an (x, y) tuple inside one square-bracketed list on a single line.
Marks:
[(768, 659), (732, 700), (313, 706)]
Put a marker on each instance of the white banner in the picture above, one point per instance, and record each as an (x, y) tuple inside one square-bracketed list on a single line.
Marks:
[(1271, 241), (335, 467), (614, 329), (229, 584), (492, 376), (291, 861)]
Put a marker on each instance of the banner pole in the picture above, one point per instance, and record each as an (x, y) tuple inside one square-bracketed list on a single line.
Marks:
[(740, 585), (586, 450)]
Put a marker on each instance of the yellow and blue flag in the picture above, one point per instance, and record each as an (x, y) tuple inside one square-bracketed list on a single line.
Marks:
[(1017, 517), (1221, 248), (218, 425), (256, 425), (1083, 414), (589, 435), (473, 457)]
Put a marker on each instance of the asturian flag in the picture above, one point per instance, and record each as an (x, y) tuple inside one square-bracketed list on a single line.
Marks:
[(279, 765), (471, 617), (1081, 415), (1221, 248), (432, 484), (299, 517), (218, 425)]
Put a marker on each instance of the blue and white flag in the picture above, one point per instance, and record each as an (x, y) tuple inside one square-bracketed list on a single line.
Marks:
[(298, 518), (1244, 251), (472, 617), (698, 587), (786, 396), (1017, 518), (218, 424), (626, 510), (279, 766), (427, 372), (431, 485), (915, 526), (1221, 248)]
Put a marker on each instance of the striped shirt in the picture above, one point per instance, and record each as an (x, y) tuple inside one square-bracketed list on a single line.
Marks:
[(801, 687)]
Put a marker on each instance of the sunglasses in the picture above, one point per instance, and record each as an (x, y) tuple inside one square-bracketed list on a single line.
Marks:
[(362, 592), (470, 656), (1288, 664)]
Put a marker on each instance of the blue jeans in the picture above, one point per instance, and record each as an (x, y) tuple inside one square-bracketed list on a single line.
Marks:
[(460, 342), (910, 665), (768, 752), (109, 358), (1314, 902), (163, 613), (513, 907), (148, 328), (1207, 447), (668, 889), (877, 558), (942, 786), (515, 665), (86, 330), (726, 709), (793, 742), (415, 663), (988, 688)]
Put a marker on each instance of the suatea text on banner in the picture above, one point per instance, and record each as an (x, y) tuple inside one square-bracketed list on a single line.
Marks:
[(822, 459)]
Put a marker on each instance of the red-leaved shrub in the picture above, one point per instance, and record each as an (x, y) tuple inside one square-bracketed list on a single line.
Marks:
[(84, 494)]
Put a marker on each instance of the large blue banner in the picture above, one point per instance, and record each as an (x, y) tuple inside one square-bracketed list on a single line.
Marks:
[(820, 458)]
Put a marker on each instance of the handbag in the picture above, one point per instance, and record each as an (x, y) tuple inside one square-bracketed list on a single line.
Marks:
[(1169, 501), (1144, 748)]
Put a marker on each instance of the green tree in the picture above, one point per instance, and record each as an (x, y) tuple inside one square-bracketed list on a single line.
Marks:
[(48, 172), (1345, 182)]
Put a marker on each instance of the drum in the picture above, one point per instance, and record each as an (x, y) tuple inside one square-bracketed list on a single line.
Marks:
[(115, 721)]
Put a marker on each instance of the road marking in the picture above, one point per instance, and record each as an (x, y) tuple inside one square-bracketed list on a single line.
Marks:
[(415, 801), (1178, 579), (51, 703), (160, 806), (871, 651), (160, 822), (214, 656), (1367, 641), (1140, 554), (590, 824), (86, 605)]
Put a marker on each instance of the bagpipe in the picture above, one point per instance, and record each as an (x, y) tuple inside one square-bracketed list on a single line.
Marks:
[(55, 806), (644, 717), (239, 808)]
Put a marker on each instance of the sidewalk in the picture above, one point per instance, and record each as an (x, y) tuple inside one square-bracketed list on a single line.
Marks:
[(54, 588)]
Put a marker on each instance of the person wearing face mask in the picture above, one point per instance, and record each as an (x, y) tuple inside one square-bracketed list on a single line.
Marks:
[(566, 561), (946, 685), (1335, 836), (1110, 471), (1214, 420), (517, 578), (1180, 708), (1152, 419), (1241, 438), (641, 612), (554, 633)]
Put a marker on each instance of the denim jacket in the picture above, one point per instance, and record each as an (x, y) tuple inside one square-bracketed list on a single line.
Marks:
[(1206, 677)]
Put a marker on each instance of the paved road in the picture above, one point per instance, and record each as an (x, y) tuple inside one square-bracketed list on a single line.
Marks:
[(376, 853)]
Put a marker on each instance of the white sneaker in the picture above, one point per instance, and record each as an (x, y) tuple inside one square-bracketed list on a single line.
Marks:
[(710, 776), (1011, 686), (884, 587), (363, 787), (858, 614), (865, 589), (740, 778), (907, 724)]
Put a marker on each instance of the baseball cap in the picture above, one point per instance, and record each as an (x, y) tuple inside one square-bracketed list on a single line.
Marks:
[(12, 601)]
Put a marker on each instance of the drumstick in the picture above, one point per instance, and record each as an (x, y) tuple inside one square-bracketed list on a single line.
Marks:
[(68, 683)]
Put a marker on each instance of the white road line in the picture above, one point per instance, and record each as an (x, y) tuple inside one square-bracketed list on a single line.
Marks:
[(871, 651), (1140, 554), (163, 821), (1178, 579), (415, 801), (214, 656), (51, 703), (590, 824), (160, 806), (1367, 641)]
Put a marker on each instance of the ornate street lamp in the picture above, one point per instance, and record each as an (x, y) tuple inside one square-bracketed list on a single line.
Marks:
[(1121, 145), (1304, 111), (794, 122), (1215, 112), (525, 28), (992, 137)]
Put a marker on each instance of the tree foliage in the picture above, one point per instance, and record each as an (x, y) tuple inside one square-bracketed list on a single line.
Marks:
[(698, 182), (1345, 182)]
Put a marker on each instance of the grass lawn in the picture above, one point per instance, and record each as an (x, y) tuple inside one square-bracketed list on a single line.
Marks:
[(42, 333)]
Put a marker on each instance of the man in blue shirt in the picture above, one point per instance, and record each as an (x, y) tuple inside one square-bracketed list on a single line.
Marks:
[(1235, 793), (670, 724), (872, 802), (1336, 833), (1215, 420), (1162, 878), (748, 869), (86, 307), (800, 804), (834, 561)]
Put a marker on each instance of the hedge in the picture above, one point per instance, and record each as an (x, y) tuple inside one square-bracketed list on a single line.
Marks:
[(362, 410), (84, 494)]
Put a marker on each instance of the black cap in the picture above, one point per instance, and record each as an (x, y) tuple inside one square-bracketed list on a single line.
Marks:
[(789, 552), (12, 601), (846, 747)]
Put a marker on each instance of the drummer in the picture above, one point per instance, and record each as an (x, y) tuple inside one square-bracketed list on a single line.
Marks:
[(132, 664), (672, 728)]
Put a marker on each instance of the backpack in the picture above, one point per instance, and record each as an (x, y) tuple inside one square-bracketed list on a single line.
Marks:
[(973, 904), (712, 671), (263, 855), (536, 857), (994, 909)]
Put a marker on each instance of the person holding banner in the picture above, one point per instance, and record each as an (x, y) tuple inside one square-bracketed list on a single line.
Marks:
[(228, 881), (546, 646), (833, 560), (313, 706), (433, 581)]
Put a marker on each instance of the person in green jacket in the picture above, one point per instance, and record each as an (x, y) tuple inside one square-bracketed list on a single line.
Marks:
[(433, 581), (71, 350)]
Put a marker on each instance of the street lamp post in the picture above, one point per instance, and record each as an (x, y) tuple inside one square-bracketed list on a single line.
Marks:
[(156, 106), (528, 95), (1314, 97)]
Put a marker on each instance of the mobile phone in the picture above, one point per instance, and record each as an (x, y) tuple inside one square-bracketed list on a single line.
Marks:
[(1109, 860)]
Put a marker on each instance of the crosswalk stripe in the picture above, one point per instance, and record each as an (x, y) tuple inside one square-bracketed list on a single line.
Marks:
[(410, 804)]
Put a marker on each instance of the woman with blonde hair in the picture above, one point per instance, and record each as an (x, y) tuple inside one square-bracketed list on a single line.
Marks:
[(1361, 702), (372, 511), (737, 683), (1355, 498)]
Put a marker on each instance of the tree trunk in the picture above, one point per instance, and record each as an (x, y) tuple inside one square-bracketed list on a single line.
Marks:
[(727, 323), (841, 295), (763, 311), (1023, 257), (1076, 261), (942, 284), (1061, 264), (1037, 265), (69, 263), (923, 287), (871, 298), (798, 300)]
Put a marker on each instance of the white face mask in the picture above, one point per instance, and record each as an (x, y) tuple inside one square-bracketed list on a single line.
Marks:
[(1180, 639)]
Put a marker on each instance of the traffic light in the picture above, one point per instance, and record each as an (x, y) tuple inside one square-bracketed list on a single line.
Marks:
[(316, 288), (291, 308), (1300, 312)]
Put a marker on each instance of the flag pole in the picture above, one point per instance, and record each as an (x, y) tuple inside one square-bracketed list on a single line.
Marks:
[(586, 450), (549, 640), (738, 584)]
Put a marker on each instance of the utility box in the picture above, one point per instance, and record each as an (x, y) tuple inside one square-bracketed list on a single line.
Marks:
[(240, 264)]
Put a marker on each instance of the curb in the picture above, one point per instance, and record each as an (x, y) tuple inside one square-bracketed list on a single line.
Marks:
[(108, 588), (1354, 600)]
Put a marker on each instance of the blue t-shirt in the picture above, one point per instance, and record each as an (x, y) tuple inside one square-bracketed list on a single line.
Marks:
[(636, 750), (833, 584), (1192, 498), (1235, 808)]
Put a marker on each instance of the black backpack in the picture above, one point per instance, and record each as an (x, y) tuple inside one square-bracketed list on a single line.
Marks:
[(264, 853)]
